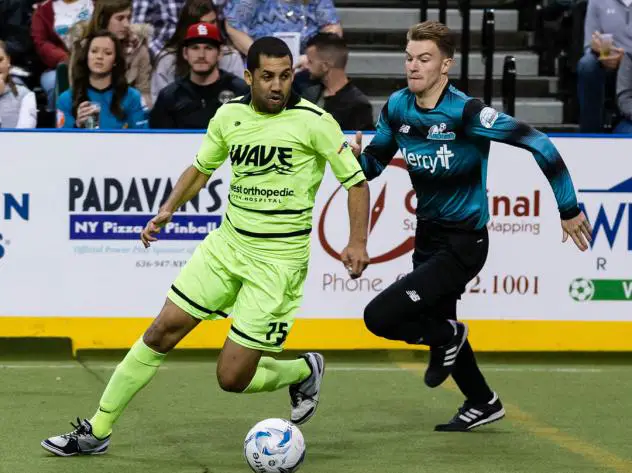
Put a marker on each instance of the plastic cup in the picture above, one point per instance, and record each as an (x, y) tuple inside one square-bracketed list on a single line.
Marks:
[(606, 45), (93, 121)]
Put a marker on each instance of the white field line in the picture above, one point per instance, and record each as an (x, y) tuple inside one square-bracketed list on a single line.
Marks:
[(197, 365)]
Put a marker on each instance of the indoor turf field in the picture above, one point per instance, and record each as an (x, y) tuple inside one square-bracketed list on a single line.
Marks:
[(565, 414)]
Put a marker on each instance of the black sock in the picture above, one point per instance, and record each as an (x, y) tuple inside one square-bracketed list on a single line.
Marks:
[(469, 378)]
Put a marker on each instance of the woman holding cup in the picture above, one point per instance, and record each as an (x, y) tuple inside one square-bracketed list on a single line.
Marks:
[(100, 96)]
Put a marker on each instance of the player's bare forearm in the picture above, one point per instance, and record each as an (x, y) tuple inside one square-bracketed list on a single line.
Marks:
[(358, 203), (354, 256), (188, 186)]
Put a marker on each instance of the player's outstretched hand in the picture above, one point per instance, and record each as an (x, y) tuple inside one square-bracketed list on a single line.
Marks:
[(356, 144), (579, 230), (356, 259), (153, 227)]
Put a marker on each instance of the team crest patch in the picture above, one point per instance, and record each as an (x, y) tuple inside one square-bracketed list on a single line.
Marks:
[(488, 117), (343, 146), (437, 132), (225, 95)]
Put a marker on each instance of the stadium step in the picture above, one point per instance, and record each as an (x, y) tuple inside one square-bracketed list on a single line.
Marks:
[(396, 40), (379, 63), (390, 19), (526, 87), (535, 111)]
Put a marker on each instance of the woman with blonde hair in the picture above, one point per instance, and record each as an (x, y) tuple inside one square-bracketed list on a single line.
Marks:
[(18, 108), (114, 16)]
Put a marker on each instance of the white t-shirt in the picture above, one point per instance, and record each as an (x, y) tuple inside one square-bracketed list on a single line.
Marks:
[(67, 14)]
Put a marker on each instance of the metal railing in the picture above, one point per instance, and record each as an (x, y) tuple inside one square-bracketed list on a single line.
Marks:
[(464, 7), (443, 11), (423, 10), (509, 85), (539, 40), (567, 63), (488, 47)]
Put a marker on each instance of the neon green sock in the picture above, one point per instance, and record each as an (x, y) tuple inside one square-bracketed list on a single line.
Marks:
[(131, 375), (273, 374)]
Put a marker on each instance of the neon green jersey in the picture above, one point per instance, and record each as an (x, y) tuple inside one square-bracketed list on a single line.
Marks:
[(278, 162)]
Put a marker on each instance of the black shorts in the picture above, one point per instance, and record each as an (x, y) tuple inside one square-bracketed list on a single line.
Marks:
[(446, 259)]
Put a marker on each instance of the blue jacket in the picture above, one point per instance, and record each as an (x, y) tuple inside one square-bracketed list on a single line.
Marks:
[(132, 107)]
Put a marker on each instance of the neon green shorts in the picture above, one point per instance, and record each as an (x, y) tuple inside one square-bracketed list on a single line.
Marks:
[(261, 297)]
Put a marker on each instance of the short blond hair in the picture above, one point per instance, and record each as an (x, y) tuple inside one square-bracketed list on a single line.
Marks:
[(436, 32)]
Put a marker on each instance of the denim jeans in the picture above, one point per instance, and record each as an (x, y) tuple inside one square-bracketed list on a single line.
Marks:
[(591, 90)]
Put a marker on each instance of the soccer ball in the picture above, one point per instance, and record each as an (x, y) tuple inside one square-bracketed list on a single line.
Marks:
[(581, 289), (274, 446)]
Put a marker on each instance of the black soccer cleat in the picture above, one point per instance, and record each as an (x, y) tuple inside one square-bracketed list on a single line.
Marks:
[(442, 358), (471, 416)]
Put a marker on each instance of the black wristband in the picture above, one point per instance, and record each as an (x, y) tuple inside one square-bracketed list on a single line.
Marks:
[(570, 213)]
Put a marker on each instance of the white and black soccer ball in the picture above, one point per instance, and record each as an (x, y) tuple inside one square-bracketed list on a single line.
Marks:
[(274, 446), (581, 289)]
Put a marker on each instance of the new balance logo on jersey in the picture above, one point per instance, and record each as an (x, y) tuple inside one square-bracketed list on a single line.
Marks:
[(404, 129), (413, 295), (440, 159), (263, 159)]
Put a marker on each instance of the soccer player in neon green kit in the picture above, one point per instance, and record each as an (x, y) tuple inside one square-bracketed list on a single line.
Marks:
[(256, 262)]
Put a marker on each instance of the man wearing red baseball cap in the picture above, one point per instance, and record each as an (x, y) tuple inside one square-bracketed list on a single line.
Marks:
[(190, 102)]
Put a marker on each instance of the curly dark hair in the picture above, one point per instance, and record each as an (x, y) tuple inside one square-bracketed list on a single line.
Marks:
[(81, 75)]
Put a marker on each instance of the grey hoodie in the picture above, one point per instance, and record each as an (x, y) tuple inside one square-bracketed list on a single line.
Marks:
[(609, 16)]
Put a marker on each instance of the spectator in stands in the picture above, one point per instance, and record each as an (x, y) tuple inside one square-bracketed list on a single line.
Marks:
[(191, 102), (327, 56), (601, 60), (248, 20), (17, 103), (114, 16), (171, 64), (162, 15), (15, 31), (100, 96), (624, 94), (50, 26)]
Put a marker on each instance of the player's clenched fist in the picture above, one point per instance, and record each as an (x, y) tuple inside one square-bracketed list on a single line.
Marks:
[(356, 259), (153, 227), (356, 144)]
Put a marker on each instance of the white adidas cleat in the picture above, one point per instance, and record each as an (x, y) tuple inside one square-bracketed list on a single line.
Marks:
[(304, 395)]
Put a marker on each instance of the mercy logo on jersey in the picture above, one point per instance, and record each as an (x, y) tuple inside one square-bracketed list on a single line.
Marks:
[(441, 158), (438, 133), (261, 158)]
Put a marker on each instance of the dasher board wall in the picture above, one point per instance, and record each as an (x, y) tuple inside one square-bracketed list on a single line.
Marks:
[(71, 263)]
